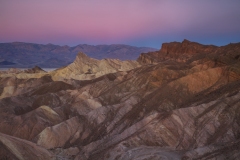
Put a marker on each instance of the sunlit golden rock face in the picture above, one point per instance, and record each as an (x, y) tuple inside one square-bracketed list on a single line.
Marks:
[(179, 107), (86, 68)]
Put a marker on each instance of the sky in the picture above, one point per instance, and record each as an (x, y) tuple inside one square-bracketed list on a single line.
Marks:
[(134, 22)]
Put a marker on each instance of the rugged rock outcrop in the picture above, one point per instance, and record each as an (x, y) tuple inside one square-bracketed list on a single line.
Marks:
[(182, 107), (15, 148), (12, 86), (188, 51), (35, 69), (85, 67), (35, 72)]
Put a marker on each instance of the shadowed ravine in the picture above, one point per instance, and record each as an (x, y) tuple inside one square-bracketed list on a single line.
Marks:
[(181, 102)]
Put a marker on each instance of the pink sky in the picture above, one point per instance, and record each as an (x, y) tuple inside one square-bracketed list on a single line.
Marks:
[(134, 22)]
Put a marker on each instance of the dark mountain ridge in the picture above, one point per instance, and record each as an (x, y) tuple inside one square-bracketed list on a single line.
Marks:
[(22, 55)]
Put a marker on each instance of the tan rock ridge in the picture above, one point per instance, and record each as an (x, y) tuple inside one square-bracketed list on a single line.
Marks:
[(12, 86), (35, 72), (85, 68), (35, 69)]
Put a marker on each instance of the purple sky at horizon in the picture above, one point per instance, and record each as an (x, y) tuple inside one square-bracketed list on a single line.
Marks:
[(134, 22)]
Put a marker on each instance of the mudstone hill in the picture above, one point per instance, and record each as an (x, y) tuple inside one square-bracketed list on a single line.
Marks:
[(181, 102)]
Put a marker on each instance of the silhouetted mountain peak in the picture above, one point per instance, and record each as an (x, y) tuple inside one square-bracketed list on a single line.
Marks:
[(186, 41)]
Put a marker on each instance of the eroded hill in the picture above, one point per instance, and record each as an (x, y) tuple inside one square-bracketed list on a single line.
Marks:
[(180, 103)]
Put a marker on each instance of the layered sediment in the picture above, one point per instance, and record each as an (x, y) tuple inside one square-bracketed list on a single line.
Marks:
[(181, 102)]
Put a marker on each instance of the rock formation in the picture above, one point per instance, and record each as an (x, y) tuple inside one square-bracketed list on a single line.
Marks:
[(35, 69), (187, 52), (84, 68), (182, 105)]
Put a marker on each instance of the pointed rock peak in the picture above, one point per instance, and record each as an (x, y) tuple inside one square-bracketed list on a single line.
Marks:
[(186, 41), (83, 58), (81, 55), (35, 69)]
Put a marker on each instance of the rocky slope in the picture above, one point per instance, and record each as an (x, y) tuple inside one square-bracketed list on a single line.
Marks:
[(84, 68), (188, 51), (25, 55), (181, 107)]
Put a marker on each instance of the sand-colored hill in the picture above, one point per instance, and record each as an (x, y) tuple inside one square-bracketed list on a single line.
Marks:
[(86, 68)]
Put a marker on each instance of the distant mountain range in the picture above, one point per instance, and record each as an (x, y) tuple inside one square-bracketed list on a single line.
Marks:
[(19, 54)]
